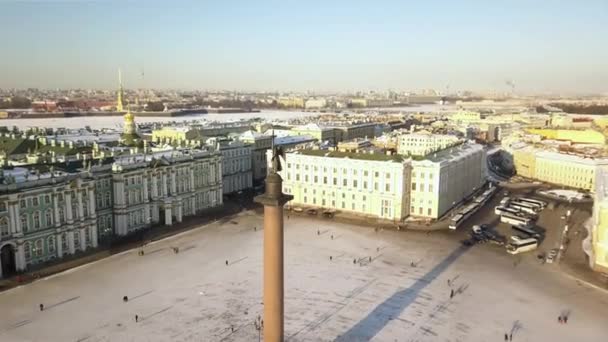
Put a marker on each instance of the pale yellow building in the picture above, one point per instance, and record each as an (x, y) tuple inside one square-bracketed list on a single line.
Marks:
[(596, 245), (174, 134), (373, 185), (524, 160), (569, 170), (465, 116), (587, 136), (291, 102)]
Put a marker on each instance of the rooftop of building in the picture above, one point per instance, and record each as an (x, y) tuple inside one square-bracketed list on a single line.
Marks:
[(450, 153), (352, 155)]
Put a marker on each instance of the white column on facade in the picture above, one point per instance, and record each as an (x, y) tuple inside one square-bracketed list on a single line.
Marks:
[(91, 202), (68, 207), (191, 180), (155, 213), (168, 218), (173, 183), (145, 194), (94, 235), (154, 187), (71, 248), (147, 219), (80, 205), (178, 212), (58, 241), (83, 239), (192, 205), (14, 217), (56, 211), (20, 257), (164, 184)]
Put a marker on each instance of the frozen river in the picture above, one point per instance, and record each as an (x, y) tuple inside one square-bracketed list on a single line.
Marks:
[(194, 296), (117, 121)]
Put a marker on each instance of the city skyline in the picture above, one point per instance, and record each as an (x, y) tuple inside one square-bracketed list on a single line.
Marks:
[(273, 46)]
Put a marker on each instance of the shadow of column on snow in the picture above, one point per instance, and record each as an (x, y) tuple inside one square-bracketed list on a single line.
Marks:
[(392, 307)]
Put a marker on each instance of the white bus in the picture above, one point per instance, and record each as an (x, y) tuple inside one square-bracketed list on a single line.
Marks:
[(540, 204), (525, 205), (463, 215), (518, 245), (506, 210), (456, 221), (515, 220), (530, 231), (522, 208)]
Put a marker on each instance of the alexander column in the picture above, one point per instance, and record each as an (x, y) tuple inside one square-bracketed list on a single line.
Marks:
[(273, 200)]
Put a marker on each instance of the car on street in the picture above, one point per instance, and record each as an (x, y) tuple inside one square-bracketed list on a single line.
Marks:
[(551, 256)]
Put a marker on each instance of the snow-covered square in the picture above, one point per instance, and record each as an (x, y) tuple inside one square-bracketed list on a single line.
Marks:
[(342, 282)]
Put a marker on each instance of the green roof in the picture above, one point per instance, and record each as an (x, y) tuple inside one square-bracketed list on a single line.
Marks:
[(353, 155), (16, 146)]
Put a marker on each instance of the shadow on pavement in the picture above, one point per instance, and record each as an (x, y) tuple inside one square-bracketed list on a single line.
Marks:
[(392, 307)]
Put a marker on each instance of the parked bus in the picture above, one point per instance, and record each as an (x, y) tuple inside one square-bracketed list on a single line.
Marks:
[(518, 245), (530, 231), (522, 208), (463, 215), (506, 210), (540, 204), (515, 220), (525, 205), (456, 221)]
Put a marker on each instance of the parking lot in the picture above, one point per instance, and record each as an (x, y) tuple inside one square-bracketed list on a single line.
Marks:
[(550, 224)]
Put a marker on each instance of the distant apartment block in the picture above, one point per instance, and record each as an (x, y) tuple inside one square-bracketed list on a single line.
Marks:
[(421, 144)]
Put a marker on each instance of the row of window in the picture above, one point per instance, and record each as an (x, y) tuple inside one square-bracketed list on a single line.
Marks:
[(335, 170), (334, 181), (421, 187), (46, 248)]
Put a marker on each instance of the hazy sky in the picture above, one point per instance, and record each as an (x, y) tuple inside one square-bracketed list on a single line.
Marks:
[(307, 45)]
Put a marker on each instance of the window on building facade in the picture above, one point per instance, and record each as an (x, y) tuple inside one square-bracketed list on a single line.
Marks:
[(344, 182), (365, 173), (376, 186), (50, 244), (4, 228), (429, 211), (420, 210), (387, 187), (412, 209), (27, 251), (38, 248), (36, 218), (430, 187), (22, 204), (35, 201), (48, 218), (305, 199), (64, 242), (355, 183), (76, 240), (376, 174)]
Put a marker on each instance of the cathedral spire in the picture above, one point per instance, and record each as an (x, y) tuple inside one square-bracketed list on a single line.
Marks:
[(119, 106)]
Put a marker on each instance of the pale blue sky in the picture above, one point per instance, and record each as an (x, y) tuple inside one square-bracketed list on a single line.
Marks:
[(307, 45)]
